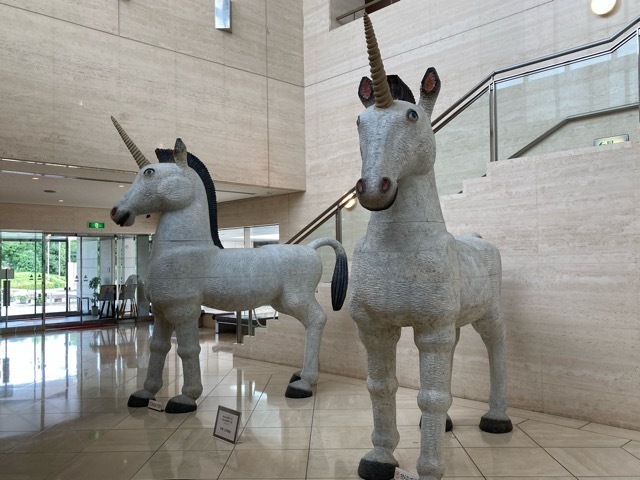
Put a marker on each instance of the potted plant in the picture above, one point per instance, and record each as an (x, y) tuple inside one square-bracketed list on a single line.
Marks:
[(94, 284)]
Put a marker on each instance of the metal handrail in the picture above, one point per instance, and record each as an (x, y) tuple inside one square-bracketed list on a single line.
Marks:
[(483, 84), (569, 119), (314, 224)]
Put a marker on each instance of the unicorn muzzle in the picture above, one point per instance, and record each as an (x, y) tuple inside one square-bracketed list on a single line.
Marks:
[(377, 195), (122, 217)]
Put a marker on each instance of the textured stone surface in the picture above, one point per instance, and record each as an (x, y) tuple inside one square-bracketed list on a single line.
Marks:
[(187, 270), (409, 271)]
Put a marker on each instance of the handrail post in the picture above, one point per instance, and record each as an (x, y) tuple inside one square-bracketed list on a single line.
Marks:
[(493, 122), (339, 225), (250, 331), (239, 334), (638, 61)]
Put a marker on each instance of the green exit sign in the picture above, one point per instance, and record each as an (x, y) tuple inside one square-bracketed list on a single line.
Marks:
[(96, 224), (611, 140)]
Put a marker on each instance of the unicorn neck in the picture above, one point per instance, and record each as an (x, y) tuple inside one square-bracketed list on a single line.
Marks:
[(417, 202), (189, 224)]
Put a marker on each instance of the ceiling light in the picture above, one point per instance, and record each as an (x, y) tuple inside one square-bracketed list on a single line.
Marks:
[(35, 178), (61, 201), (602, 7), (121, 186), (350, 203)]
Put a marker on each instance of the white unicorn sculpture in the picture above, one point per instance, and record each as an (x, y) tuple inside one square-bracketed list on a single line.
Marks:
[(189, 268), (410, 271)]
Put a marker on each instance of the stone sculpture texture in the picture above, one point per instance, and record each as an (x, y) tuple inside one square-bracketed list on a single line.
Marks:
[(409, 270), (189, 268)]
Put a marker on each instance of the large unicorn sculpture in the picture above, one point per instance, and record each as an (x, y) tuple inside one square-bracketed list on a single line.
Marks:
[(189, 268), (410, 271)]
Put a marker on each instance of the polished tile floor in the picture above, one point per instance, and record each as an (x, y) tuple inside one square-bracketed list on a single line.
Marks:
[(63, 415)]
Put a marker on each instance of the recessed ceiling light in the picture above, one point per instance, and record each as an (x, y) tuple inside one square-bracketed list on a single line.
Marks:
[(35, 178), (121, 186), (61, 201), (602, 7)]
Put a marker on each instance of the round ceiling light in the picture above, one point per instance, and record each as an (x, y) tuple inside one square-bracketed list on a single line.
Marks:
[(602, 7)]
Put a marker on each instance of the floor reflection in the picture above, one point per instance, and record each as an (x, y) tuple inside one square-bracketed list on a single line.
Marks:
[(64, 415)]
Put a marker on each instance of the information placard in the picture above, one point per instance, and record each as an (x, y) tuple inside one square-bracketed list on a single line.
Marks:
[(404, 475), (227, 424)]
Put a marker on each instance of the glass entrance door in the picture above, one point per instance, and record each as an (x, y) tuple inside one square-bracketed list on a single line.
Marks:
[(22, 252), (56, 271)]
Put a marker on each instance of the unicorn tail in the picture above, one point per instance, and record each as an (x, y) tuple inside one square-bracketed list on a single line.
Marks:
[(340, 279)]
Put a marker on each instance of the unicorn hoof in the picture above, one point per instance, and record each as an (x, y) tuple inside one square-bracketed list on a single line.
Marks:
[(372, 470), (140, 399), (181, 404), (495, 425), (299, 389), (295, 377)]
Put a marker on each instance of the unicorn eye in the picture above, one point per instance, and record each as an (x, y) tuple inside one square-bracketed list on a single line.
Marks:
[(358, 121), (412, 115), (149, 171)]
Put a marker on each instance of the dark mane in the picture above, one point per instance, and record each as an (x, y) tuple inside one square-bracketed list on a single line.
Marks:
[(165, 155)]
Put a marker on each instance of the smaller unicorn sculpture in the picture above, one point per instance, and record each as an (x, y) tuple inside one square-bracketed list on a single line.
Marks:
[(189, 268), (409, 270)]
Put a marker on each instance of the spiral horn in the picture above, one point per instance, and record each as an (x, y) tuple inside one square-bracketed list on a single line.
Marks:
[(378, 75), (137, 154)]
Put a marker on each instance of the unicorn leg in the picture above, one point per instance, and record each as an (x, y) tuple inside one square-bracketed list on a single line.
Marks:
[(492, 331), (379, 463), (434, 399), (189, 352), (313, 320), (160, 346), (449, 423)]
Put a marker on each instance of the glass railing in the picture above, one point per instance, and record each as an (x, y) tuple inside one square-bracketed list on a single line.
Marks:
[(570, 105), (576, 98)]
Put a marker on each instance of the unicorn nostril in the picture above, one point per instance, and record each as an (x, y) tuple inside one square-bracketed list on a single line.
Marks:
[(114, 210), (360, 187), (385, 184)]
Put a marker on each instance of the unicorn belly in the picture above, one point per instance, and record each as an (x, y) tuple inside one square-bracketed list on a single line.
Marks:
[(402, 288), (408, 287)]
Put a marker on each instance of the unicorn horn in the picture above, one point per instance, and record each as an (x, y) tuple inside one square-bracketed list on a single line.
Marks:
[(378, 75), (137, 154)]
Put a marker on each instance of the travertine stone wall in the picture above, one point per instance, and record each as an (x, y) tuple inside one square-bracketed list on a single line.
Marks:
[(464, 43), (161, 68), (567, 225)]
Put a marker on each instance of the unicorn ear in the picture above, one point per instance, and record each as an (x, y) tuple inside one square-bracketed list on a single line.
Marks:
[(429, 89), (180, 153), (365, 92)]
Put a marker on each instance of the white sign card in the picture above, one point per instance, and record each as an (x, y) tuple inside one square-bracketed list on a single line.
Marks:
[(154, 405), (227, 424), (404, 475)]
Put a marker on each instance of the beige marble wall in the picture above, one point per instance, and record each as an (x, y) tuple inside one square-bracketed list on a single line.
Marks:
[(164, 71), (567, 226)]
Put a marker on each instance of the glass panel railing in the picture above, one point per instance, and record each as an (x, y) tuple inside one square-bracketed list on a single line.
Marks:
[(463, 147), (570, 105)]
